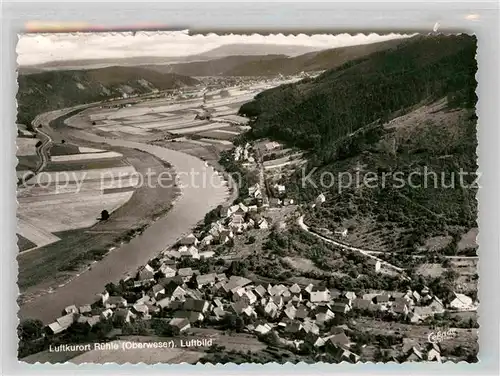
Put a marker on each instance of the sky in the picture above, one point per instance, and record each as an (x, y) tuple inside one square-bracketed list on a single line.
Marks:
[(44, 47)]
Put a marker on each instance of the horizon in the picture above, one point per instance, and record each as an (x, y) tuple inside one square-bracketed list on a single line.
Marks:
[(42, 48)]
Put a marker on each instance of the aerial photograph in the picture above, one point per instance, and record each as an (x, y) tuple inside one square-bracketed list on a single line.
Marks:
[(247, 198)]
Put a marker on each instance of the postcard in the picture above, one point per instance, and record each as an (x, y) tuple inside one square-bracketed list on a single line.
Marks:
[(225, 198)]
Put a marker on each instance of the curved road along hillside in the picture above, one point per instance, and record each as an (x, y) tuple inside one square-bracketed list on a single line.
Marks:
[(202, 189)]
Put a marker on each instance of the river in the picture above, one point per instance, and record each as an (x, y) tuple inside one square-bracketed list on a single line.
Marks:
[(202, 189)]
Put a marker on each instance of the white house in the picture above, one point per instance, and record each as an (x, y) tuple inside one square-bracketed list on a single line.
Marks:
[(341, 232), (279, 189), (375, 264), (168, 271), (461, 302), (320, 199), (180, 323), (262, 224)]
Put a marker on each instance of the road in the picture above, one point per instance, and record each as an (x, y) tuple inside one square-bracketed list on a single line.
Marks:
[(370, 253), (202, 189), (304, 227)]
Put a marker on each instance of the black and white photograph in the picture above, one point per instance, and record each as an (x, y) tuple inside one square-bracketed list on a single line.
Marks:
[(242, 198)]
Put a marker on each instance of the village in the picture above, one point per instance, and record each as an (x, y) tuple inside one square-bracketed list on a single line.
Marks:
[(194, 284)]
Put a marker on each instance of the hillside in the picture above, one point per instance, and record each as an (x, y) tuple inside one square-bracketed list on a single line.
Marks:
[(317, 113), (214, 67), (312, 61), (278, 61), (402, 111), (247, 49), (46, 91)]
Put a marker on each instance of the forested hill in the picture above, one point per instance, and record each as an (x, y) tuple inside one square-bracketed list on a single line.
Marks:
[(40, 92), (316, 113)]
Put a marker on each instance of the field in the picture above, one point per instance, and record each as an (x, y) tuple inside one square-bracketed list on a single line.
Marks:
[(26, 146), (27, 157), (71, 249), (70, 198), (135, 356), (231, 342), (172, 119)]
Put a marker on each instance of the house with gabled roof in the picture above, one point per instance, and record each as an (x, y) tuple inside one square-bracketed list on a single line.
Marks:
[(373, 263), (181, 324), (168, 271), (175, 292), (362, 304), (156, 290), (225, 236), (340, 339), (207, 240), (290, 311), (89, 320), (271, 309), (145, 273), (434, 356), (221, 277), (125, 314), (323, 315), (196, 305), (164, 303), (320, 296), (436, 305), (107, 313), (219, 312), (140, 308), (174, 254), (383, 298), (414, 355), (115, 302), (262, 224), (206, 279), (400, 309), (295, 289), (235, 282), (263, 328), (342, 308), (414, 317), (293, 327), (86, 308), (409, 344), (191, 316), (423, 312), (260, 291), (185, 274), (241, 308), (70, 309), (309, 326), (341, 353), (302, 312), (62, 323), (461, 302), (189, 240)]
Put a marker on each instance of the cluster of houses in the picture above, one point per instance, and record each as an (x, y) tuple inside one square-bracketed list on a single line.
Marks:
[(243, 154), (295, 314)]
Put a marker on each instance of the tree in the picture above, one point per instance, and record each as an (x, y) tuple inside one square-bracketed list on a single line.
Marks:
[(30, 329), (104, 215)]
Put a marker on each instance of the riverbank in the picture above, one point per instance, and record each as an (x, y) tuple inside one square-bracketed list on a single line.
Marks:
[(191, 206)]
